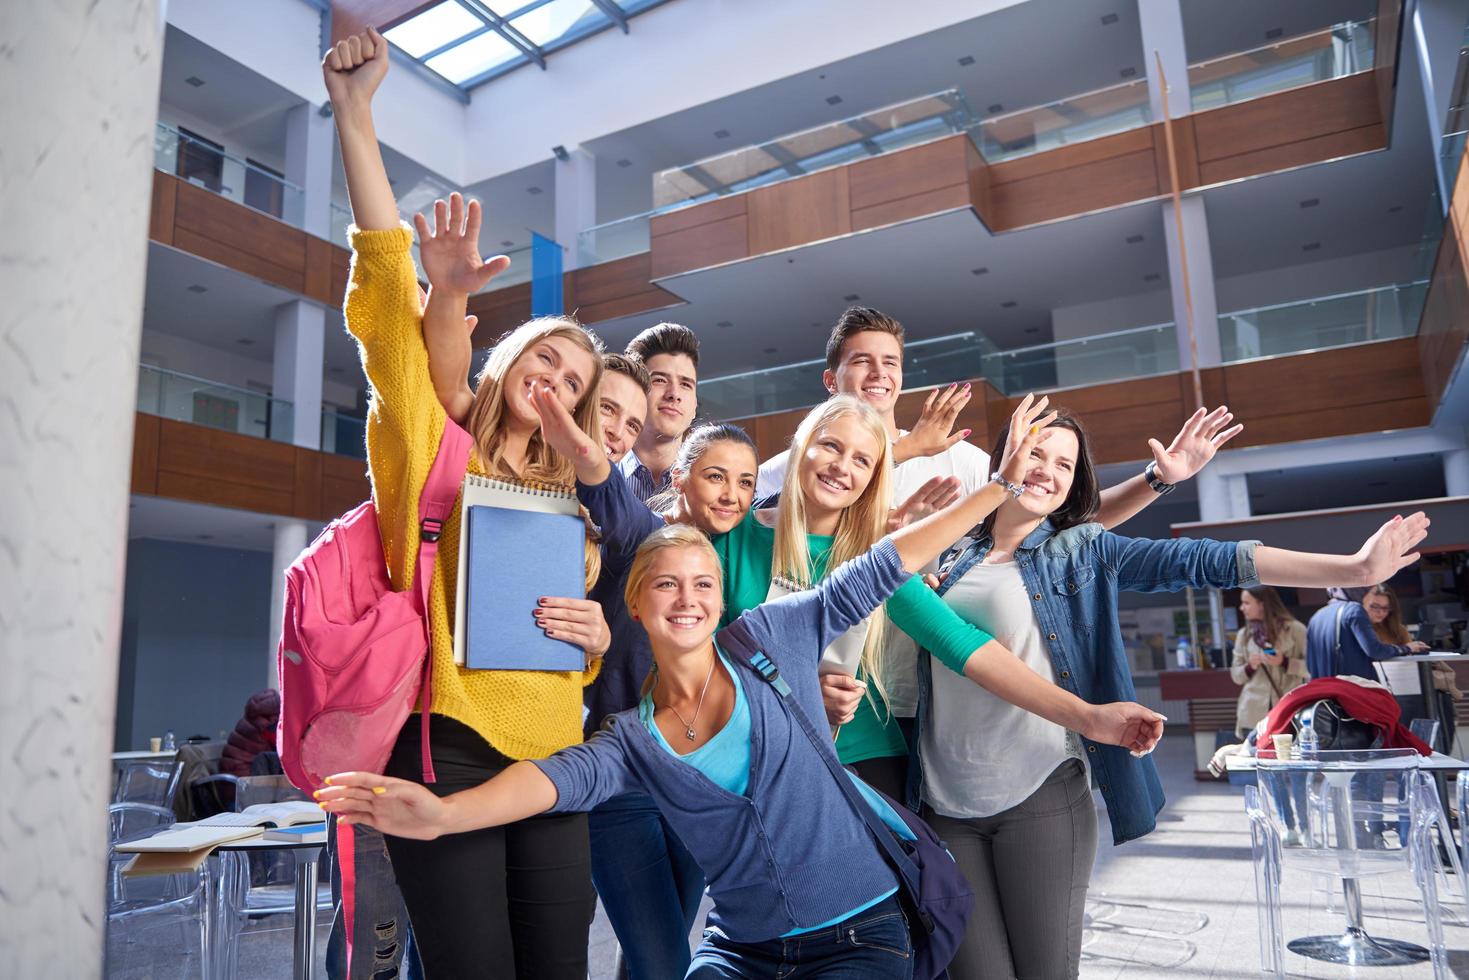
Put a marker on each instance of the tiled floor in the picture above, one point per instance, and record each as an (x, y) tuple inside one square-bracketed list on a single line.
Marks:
[(1178, 903)]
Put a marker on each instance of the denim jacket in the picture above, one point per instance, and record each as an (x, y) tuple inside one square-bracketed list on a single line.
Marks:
[(1073, 577)]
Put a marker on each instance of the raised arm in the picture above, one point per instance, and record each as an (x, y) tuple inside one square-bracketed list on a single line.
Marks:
[(1190, 451), (352, 70), (1379, 558)]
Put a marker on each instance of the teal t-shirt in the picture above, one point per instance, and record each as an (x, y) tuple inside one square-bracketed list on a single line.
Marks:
[(747, 551)]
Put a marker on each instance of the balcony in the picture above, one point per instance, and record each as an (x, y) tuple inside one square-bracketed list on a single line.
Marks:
[(1333, 52), (206, 164)]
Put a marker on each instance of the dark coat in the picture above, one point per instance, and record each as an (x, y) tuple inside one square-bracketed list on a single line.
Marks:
[(253, 734)]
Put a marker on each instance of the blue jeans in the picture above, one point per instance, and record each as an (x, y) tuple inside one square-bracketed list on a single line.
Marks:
[(382, 944), (649, 885), (873, 943)]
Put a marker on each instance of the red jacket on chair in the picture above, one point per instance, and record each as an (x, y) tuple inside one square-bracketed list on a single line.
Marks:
[(1364, 701), (253, 734)]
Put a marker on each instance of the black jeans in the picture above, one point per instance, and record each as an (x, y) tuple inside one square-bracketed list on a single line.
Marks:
[(512, 901)]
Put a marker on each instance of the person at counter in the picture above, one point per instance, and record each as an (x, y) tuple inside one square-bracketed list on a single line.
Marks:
[(1341, 640), (1269, 655), (1382, 608)]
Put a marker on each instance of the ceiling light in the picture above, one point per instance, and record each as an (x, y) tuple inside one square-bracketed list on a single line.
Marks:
[(1311, 247), (1134, 239), (721, 134), (194, 80), (816, 324), (997, 107), (1008, 304), (725, 323), (967, 60), (833, 100), (1032, 329), (851, 298), (196, 288), (1109, 19), (1128, 72), (1274, 33), (980, 271), (1310, 202), (507, 243), (204, 537), (533, 190), (245, 342), (770, 350), (1151, 277), (1395, 209), (624, 162)]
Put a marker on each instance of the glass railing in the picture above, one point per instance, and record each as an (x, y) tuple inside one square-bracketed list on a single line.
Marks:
[(1133, 353), (1089, 116), (185, 398), (208, 166), (1333, 52), (1328, 321), (614, 239), (833, 144), (344, 435)]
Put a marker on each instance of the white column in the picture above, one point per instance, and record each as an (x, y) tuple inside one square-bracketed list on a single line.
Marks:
[(576, 206), (309, 145), (1161, 22), (300, 332), (290, 541), (1456, 472), (78, 155), (1222, 496)]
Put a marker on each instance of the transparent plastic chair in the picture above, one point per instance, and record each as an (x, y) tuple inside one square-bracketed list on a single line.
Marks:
[(150, 782), (1347, 816), (180, 896)]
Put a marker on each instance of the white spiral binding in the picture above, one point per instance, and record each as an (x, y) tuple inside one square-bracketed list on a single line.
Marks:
[(528, 488)]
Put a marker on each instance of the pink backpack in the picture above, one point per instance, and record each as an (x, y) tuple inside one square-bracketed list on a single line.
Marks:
[(355, 655)]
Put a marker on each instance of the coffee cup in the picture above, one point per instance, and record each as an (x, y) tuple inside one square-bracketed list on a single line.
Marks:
[(155, 744), (1282, 745)]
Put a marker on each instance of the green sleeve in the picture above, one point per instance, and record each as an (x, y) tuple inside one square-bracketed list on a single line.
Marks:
[(918, 611)]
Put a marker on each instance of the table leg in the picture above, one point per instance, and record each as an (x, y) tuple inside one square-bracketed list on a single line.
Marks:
[(305, 945), (1441, 739)]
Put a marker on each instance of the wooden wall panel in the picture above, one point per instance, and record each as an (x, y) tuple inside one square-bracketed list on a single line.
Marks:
[(1331, 146), (618, 288), (914, 171), (145, 453), (341, 272), (165, 202), (317, 277), (698, 237), (306, 492), (1101, 173), (499, 311), (344, 484), (797, 212), (1333, 106)]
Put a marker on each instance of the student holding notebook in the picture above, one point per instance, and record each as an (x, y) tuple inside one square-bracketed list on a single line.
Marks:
[(519, 893), (715, 747)]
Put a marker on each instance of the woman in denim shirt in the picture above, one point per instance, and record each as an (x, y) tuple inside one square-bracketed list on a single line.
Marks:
[(1009, 792)]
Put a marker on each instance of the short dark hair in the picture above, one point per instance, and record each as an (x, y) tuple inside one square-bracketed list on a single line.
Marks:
[(858, 319), (664, 338), (629, 367), (1084, 501)]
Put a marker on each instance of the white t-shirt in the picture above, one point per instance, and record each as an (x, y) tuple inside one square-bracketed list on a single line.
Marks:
[(972, 467), (983, 755)]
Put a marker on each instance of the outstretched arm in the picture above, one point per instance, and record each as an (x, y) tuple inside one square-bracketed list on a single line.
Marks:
[(1190, 451), (1379, 558), (405, 809), (352, 70)]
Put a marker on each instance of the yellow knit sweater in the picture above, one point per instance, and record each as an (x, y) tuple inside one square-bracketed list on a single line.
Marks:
[(524, 714)]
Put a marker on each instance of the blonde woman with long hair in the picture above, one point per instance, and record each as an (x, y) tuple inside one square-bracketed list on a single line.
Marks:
[(515, 900)]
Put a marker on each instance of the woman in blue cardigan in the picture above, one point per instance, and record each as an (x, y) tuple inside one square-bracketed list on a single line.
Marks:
[(1008, 791), (713, 746)]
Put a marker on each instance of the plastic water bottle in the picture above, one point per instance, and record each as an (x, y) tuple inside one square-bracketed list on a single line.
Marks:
[(1185, 654), (1307, 738), (169, 745)]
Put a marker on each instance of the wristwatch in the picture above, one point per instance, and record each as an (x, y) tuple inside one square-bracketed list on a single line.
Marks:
[(1012, 488), (1150, 473)]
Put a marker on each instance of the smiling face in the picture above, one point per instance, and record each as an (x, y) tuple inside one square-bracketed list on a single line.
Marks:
[(871, 368), (673, 398), (556, 362), (838, 464), (1252, 609), (1050, 472), (719, 487), (678, 601), (623, 407)]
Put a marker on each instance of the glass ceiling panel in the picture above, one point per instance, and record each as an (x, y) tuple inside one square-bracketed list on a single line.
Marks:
[(474, 57), (433, 29), (547, 24)]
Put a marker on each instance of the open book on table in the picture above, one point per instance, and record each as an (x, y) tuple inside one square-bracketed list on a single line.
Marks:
[(184, 846)]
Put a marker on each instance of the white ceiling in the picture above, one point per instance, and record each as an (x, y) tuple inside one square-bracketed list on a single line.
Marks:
[(233, 308), (1212, 29), (218, 527)]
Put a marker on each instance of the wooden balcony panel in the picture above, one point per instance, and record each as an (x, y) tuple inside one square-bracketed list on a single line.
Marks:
[(1347, 377), (1185, 145), (340, 274), (1070, 159), (1331, 146), (145, 453), (252, 265), (317, 274), (190, 450), (908, 208), (306, 492), (162, 210), (980, 181), (499, 311), (616, 289), (700, 246), (208, 215), (797, 212), (224, 493), (1302, 424), (645, 302), (719, 209), (1293, 116), (344, 485), (1105, 183), (916, 171)]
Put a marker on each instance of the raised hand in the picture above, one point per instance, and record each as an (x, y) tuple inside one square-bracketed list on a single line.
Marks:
[(577, 621), (1391, 548), (563, 435), (936, 494), (392, 806), (1133, 726), (450, 253), (1195, 444), (353, 69), (1027, 430), (932, 433)]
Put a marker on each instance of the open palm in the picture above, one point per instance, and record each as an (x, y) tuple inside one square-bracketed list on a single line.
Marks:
[(450, 253), (1195, 444)]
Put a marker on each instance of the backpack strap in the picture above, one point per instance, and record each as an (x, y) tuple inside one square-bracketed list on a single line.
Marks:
[(736, 639), (435, 504)]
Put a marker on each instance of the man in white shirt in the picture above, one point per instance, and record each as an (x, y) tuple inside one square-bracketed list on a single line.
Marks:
[(670, 352), (864, 358)]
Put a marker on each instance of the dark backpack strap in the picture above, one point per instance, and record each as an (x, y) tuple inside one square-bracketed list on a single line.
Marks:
[(735, 638), (435, 504)]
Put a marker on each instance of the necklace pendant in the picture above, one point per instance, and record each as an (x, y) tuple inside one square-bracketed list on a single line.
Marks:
[(689, 734)]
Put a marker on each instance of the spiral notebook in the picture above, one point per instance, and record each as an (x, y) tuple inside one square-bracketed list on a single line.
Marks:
[(518, 542)]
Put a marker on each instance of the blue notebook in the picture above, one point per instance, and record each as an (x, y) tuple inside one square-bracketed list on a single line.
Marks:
[(513, 557)]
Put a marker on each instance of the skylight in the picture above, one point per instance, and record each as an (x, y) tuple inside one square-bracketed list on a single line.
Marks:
[(469, 42)]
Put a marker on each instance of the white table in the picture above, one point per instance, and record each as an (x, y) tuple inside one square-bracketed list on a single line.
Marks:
[(307, 855), (142, 755), (1438, 762)]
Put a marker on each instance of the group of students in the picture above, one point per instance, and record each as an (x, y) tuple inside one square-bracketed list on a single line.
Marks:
[(972, 598)]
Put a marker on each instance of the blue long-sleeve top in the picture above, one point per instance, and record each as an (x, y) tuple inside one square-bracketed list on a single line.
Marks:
[(790, 852), (1360, 647)]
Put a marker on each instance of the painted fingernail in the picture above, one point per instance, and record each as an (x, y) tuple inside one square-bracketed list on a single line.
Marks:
[(316, 794), (966, 433), (379, 790), (966, 386), (544, 600), (328, 780)]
